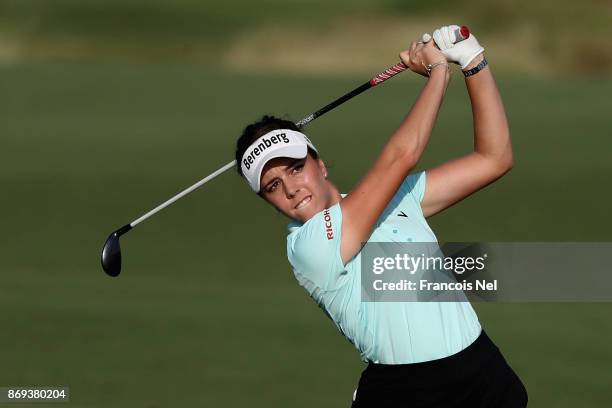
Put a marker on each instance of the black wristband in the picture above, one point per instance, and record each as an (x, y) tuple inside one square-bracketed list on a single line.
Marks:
[(477, 68)]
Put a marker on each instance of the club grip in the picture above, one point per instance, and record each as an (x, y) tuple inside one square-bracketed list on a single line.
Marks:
[(388, 73)]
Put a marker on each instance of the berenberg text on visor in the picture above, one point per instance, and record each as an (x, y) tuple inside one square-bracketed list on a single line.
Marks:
[(263, 145)]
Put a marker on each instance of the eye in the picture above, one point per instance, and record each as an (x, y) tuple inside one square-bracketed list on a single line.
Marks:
[(271, 187), (297, 168)]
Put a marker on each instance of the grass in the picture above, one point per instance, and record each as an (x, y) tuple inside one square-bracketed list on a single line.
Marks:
[(543, 38), (207, 312)]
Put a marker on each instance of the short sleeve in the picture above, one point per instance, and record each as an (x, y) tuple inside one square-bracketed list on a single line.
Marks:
[(414, 186), (313, 250)]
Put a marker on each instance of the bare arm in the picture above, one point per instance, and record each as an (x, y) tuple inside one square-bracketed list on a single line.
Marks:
[(492, 156), (362, 207)]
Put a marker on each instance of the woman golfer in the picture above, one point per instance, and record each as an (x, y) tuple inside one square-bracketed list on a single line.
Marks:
[(420, 354)]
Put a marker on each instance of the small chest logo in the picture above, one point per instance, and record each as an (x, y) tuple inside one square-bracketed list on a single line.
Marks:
[(402, 214), (328, 224)]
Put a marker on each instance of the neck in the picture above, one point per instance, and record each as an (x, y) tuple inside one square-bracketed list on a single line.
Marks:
[(335, 196)]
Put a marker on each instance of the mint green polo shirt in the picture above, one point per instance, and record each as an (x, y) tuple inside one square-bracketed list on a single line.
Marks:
[(382, 332)]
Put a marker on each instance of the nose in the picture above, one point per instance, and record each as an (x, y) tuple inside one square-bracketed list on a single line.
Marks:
[(291, 188)]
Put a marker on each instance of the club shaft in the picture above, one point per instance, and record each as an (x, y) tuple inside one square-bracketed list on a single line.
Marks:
[(461, 34), (333, 104), (184, 193), (378, 79)]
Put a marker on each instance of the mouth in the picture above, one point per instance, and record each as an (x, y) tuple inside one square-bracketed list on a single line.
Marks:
[(303, 203)]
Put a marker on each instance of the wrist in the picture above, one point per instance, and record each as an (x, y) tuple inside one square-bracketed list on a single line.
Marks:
[(474, 63), (430, 67), (481, 66), (440, 71)]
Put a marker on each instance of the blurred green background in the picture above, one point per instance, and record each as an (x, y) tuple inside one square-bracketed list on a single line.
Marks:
[(108, 108)]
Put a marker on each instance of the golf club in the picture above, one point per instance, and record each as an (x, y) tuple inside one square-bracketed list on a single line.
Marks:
[(111, 252)]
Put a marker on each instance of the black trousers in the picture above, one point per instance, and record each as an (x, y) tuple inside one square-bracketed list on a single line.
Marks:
[(476, 377)]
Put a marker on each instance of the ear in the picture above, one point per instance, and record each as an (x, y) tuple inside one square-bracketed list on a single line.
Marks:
[(322, 168)]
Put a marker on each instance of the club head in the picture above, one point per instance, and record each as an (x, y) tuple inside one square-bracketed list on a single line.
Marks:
[(111, 252), (111, 255)]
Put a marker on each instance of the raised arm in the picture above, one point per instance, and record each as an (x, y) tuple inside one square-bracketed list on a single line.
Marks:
[(364, 204), (492, 156)]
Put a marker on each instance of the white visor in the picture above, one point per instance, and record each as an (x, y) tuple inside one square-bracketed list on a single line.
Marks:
[(277, 143)]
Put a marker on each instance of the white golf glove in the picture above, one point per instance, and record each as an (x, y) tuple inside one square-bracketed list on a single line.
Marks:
[(462, 52)]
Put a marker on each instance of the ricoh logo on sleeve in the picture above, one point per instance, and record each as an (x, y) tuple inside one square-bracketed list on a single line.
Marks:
[(262, 146), (329, 231)]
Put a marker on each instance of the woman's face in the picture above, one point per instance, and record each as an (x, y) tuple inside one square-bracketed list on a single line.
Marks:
[(296, 187)]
